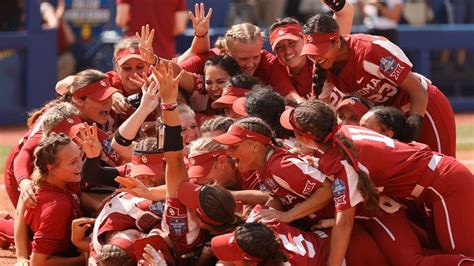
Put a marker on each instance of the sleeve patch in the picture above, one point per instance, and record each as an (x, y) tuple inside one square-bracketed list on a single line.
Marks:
[(339, 191)]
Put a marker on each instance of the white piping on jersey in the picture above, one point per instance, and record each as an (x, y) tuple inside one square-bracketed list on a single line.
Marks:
[(464, 259), (433, 125), (374, 69), (432, 164), (286, 186), (307, 169), (384, 227), (375, 136), (394, 50), (352, 179), (448, 222)]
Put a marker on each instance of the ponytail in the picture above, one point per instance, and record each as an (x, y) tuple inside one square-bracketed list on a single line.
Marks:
[(319, 78)]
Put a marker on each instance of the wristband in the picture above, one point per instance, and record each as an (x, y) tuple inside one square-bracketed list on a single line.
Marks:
[(121, 140), (173, 141), (168, 106), (200, 36)]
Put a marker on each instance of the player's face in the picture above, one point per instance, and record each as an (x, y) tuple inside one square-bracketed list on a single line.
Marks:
[(347, 116), (222, 173), (370, 121), (243, 155), (247, 55), (127, 71), (216, 80), (289, 52), (95, 111), (190, 128), (152, 180), (326, 61), (68, 165)]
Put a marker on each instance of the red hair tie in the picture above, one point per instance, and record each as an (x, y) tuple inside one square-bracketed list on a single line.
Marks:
[(353, 161), (332, 134)]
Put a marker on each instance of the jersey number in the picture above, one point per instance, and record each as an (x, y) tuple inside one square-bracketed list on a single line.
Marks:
[(360, 134), (298, 246)]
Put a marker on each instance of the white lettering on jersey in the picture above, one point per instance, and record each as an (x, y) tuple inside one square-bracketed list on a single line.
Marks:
[(287, 199), (362, 134), (298, 246)]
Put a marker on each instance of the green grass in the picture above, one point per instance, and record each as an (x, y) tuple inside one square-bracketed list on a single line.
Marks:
[(4, 150), (465, 137)]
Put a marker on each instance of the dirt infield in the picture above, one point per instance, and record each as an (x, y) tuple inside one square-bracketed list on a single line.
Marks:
[(10, 135)]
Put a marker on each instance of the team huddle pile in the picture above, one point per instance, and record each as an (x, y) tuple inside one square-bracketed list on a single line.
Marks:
[(329, 151)]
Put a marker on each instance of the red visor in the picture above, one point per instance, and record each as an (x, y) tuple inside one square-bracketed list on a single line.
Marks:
[(124, 54), (288, 121), (189, 195), (229, 95), (226, 248), (69, 126), (201, 164), (147, 164), (354, 104), (98, 91), (318, 44), (285, 32), (236, 134)]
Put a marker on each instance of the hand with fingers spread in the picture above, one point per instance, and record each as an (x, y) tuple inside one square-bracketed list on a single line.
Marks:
[(150, 97), (120, 104), (89, 140), (168, 84), (141, 80), (200, 20), (152, 257), (27, 193), (132, 186), (145, 40), (272, 215)]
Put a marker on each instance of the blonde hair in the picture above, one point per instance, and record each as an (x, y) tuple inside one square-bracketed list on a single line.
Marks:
[(244, 32), (204, 145), (57, 114), (184, 108)]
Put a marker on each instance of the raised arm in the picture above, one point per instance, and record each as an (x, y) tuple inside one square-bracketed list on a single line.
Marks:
[(175, 172)]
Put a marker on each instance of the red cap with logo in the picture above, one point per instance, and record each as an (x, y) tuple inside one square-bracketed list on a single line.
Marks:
[(285, 32), (69, 126), (99, 91), (236, 134), (229, 95), (239, 106), (226, 248), (127, 53), (201, 164), (318, 43), (146, 164)]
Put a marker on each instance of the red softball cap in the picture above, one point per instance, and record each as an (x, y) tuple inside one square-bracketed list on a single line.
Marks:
[(228, 97), (225, 248), (318, 44), (99, 91), (147, 164), (190, 195), (127, 53), (286, 32), (201, 164), (69, 126)]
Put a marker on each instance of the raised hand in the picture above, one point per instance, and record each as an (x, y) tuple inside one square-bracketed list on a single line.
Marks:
[(168, 84), (145, 45), (132, 186), (119, 104), (200, 20), (149, 100), (141, 80), (152, 257), (89, 140)]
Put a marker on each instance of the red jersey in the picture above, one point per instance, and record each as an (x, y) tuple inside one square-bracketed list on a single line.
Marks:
[(160, 15), (290, 178), (269, 70), (374, 70), (52, 236), (300, 247), (396, 168), (250, 180)]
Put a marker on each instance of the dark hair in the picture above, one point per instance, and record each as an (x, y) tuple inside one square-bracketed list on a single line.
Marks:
[(219, 205), (284, 21), (320, 23), (219, 122), (259, 241), (392, 118), (227, 63), (320, 120), (257, 125), (111, 254), (263, 102), (46, 153), (358, 98), (244, 81)]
